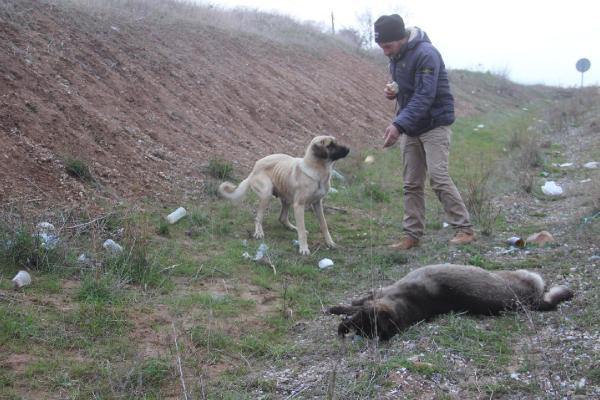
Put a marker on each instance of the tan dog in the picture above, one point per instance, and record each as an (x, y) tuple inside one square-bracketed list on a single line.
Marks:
[(438, 289), (296, 181)]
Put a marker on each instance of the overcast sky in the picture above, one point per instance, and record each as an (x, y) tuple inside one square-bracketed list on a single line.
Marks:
[(531, 41)]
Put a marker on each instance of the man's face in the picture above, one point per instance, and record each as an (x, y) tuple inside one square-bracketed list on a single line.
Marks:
[(391, 48)]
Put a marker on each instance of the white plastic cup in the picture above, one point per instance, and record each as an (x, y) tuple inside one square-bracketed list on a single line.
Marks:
[(21, 279), (176, 215), (325, 263)]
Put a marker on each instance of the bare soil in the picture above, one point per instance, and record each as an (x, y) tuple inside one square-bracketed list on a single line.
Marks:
[(146, 106)]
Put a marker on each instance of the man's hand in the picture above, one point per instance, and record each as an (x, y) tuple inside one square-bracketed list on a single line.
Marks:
[(391, 136), (391, 90)]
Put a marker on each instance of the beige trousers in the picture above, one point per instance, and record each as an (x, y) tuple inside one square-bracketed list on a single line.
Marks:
[(425, 153)]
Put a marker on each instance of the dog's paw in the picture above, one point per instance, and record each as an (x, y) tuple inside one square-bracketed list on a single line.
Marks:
[(259, 235), (304, 251), (331, 244)]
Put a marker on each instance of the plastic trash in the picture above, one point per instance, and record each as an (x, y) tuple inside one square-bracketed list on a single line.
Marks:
[(337, 175), (112, 247), (261, 252), (325, 263), (176, 215), (45, 227), (21, 279), (515, 241), (550, 188), (46, 233), (47, 240), (592, 165)]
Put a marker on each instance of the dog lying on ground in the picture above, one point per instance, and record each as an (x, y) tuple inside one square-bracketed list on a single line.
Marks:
[(438, 289), (296, 181)]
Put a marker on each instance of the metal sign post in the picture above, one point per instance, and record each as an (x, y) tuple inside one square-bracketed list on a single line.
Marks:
[(583, 64)]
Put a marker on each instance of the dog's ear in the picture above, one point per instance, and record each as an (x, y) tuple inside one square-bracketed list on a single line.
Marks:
[(387, 327), (327, 140), (320, 151)]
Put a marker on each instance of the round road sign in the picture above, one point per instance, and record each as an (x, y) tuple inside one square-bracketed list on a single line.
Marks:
[(583, 65)]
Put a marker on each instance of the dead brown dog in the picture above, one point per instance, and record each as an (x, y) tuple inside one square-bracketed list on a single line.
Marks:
[(296, 181), (438, 289)]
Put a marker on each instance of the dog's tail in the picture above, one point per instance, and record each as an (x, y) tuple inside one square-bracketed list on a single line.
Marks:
[(554, 297), (234, 193)]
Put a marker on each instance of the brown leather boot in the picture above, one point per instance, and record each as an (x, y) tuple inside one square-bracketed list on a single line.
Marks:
[(463, 237), (407, 242)]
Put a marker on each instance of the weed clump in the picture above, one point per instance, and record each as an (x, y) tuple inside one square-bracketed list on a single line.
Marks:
[(78, 170)]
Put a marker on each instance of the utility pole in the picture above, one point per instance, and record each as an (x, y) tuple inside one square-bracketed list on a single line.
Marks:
[(332, 24)]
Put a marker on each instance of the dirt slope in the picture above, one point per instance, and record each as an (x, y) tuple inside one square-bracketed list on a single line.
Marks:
[(146, 105)]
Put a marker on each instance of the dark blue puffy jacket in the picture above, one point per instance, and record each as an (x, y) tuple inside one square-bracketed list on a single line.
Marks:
[(424, 91)]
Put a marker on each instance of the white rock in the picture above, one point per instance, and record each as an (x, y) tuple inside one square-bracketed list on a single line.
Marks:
[(369, 160), (567, 164), (592, 165)]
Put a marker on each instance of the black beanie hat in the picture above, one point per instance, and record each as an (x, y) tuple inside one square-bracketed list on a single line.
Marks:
[(389, 28)]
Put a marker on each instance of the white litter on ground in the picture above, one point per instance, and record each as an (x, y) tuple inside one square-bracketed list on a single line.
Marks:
[(325, 263), (550, 188)]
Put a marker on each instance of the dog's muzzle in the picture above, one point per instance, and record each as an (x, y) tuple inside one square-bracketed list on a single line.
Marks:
[(339, 152)]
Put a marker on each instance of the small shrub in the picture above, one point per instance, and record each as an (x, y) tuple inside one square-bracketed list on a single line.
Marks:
[(220, 169), (211, 188), (530, 155), (201, 338), (96, 290), (516, 140), (200, 219), (155, 371), (78, 169), (477, 260), (478, 199), (377, 193), (163, 228), (21, 249), (133, 267)]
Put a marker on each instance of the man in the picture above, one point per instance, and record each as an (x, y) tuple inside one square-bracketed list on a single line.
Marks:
[(422, 123)]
